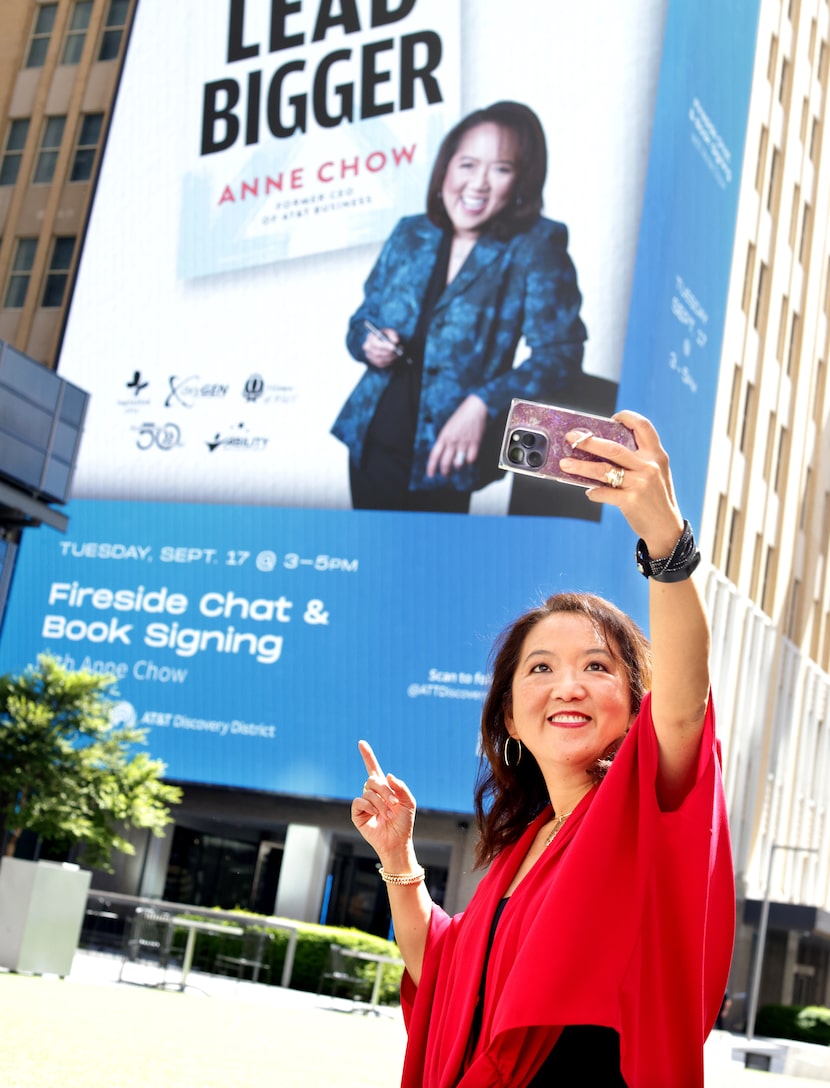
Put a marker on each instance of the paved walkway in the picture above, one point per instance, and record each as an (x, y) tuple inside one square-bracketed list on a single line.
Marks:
[(724, 1071), (386, 1029)]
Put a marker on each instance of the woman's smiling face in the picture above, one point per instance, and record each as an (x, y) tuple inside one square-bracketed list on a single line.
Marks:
[(480, 177), (570, 697)]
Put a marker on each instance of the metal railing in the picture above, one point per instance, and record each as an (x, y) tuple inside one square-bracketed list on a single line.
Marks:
[(100, 902)]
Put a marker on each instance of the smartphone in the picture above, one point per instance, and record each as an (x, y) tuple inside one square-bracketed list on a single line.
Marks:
[(381, 335), (534, 440)]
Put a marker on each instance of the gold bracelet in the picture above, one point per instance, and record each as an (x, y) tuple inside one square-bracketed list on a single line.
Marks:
[(402, 878)]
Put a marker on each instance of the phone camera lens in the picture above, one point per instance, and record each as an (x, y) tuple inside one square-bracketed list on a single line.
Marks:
[(528, 440), (516, 455), (535, 458)]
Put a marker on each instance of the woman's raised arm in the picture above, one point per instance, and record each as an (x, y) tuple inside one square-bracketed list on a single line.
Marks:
[(679, 629)]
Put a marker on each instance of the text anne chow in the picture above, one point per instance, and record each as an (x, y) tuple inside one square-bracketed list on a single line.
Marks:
[(343, 87)]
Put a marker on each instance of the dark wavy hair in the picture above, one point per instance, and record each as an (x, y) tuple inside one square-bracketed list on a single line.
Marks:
[(508, 798), (531, 168)]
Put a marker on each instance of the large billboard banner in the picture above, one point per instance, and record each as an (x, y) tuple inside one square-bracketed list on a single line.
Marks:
[(329, 243)]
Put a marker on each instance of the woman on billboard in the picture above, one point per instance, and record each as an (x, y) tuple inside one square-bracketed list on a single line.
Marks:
[(451, 296), (596, 948)]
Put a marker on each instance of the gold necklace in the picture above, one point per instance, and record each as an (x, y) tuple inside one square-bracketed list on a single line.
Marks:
[(558, 824)]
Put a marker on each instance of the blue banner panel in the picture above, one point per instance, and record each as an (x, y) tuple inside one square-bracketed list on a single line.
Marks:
[(260, 619), (258, 645)]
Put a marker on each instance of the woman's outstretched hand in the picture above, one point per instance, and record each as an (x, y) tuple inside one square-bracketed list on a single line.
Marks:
[(384, 814), (644, 492)]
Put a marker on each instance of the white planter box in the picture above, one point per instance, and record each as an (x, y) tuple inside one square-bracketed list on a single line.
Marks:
[(42, 906)]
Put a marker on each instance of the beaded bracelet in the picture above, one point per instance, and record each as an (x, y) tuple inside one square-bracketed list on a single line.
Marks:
[(676, 567), (402, 879)]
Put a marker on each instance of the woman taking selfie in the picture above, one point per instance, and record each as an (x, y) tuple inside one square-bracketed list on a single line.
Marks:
[(597, 946)]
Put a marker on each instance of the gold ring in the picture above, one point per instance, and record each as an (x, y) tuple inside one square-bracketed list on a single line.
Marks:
[(615, 476)]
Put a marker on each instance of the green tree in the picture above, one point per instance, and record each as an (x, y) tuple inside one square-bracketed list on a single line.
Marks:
[(69, 773)]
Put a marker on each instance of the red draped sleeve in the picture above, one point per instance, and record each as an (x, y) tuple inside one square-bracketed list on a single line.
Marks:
[(627, 921)]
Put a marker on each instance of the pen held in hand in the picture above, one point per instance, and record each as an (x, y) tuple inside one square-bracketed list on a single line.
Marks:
[(381, 335)]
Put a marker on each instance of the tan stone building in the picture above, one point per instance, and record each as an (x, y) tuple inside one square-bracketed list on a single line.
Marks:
[(59, 66), (766, 522)]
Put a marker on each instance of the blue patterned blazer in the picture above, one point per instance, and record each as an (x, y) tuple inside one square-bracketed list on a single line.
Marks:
[(525, 286)]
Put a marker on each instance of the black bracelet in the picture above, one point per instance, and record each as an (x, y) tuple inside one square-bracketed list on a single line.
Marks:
[(678, 566)]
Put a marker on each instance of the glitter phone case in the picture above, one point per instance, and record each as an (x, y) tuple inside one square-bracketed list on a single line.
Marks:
[(534, 440)]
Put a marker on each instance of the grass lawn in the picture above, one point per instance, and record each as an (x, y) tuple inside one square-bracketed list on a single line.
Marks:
[(65, 1034)]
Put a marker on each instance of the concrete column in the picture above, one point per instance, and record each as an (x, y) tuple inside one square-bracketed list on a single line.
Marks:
[(790, 961), (156, 861), (305, 863), (467, 878)]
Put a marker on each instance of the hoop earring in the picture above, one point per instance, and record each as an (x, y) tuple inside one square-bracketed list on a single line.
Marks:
[(506, 754)]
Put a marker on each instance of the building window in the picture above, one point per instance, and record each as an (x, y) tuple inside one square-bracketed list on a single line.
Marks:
[(782, 328), (806, 232), (756, 565), (818, 394), (58, 275), (768, 587), (806, 503), (773, 191), (771, 434), (21, 273), (114, 29), (732, 547), (50, 145), (749, 274), (86, 148), (13, 154), (815, 641), (785, 85), (42, 32), (761, 300), (762, 158), (734, 401), (792, 618), (779, 464), (815, 136), (795, 342), (76, 34), (772, 59), (746, 420), (720, 518), (796, 204)]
